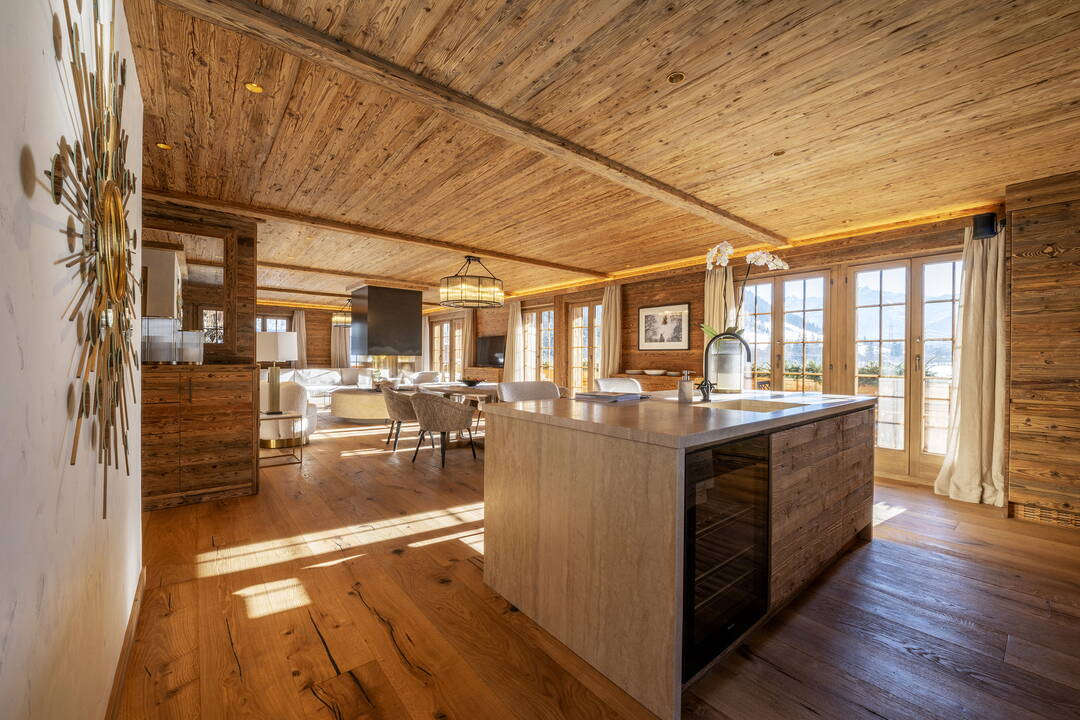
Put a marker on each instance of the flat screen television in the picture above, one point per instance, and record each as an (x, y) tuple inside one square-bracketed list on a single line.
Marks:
[(490, 350)]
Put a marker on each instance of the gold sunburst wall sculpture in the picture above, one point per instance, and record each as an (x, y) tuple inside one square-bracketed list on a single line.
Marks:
[(89, 179)]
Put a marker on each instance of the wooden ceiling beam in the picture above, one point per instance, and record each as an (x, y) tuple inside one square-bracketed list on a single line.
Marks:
[(296, 38), (299, 291), (256, 211)]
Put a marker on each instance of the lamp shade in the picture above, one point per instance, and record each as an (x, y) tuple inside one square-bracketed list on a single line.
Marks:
[(275, 346)]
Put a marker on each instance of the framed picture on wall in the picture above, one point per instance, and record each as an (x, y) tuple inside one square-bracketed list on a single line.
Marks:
[(664, 327)]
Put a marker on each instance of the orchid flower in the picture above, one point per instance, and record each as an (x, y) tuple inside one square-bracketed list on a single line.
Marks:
[(719, 255)]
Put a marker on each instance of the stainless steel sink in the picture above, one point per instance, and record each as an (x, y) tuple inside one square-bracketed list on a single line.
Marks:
[(748, 405)]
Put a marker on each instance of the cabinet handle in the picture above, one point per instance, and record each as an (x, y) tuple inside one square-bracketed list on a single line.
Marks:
[(189, 398)]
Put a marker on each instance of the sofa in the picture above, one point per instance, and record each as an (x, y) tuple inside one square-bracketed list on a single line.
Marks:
[(321, 382), (287, 433)]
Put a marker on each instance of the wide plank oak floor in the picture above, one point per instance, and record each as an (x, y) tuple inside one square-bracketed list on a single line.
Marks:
[(351, 587)]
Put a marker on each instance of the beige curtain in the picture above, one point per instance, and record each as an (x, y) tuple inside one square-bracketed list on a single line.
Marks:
[(300, 328), (468, 337), (720, 299), (611, 331), (973, 470), (514, 366), (425, 345), (339, 346)]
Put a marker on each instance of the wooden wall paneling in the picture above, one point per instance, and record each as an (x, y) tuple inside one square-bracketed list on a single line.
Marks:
[(1044, 349), (687, 288), (238, 291), (317, 323)]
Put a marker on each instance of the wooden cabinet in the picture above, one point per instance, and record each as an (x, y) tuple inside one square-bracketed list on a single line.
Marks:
[(199, 433)]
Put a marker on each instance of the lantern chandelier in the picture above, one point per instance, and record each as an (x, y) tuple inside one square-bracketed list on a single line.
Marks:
[(462, 290)]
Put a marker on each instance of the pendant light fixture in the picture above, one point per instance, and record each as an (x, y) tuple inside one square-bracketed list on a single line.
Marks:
[(464, 290)]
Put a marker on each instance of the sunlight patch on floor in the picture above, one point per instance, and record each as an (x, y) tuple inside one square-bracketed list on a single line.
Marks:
[(271, 552), (331, 563), (464, 536), (883, 511), (273, 597)]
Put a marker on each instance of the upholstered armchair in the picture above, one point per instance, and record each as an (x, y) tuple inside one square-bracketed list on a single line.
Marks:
[(437, 414), (400, 409), (287, 433), (530, 390)]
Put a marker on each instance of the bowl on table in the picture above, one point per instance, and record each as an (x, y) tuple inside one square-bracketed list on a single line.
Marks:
[(673, 373), (471, 382), (655, 373), (634, 372)]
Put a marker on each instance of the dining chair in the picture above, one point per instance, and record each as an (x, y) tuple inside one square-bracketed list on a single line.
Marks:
[(617, 384), (400, 409), (437, 414), (528, 390)]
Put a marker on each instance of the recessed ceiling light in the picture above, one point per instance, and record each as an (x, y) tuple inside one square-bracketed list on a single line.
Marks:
[(163, 146), (676, 77), (254, 87)]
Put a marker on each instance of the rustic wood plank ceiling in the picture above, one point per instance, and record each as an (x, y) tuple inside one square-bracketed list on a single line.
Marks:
[(806, 118)]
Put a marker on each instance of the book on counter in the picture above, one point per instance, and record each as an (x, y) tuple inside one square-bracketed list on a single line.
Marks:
[(609, 396)]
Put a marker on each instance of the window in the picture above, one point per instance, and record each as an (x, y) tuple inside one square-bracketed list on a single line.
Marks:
[(783, 322), (448, 348), (756, 322), (940, 311), (881, 347), (585, 345), (538, 329), (272, 323), (804, 334), (213, 326)]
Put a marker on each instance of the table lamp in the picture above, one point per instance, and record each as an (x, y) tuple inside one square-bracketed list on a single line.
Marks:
[(275, 347)]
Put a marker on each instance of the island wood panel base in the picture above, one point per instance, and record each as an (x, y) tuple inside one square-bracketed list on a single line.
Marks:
[(583, 533), (821, 487)]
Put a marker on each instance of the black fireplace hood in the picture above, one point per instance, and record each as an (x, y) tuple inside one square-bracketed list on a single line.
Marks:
[(386, 321)]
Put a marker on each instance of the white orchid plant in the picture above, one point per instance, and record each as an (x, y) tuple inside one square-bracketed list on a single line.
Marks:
[(720, 256)]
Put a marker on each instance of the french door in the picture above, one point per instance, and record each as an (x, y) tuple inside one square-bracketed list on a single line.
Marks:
[(783, 320), (585, 345), (538, 332), (904, 325)]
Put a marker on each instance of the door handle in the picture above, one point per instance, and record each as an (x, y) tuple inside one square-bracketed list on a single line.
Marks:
[(918, 363)]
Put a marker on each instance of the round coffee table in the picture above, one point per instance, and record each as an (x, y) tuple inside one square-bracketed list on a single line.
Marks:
[(360, 405)]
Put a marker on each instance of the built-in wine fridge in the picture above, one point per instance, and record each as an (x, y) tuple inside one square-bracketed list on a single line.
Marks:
[(726, 555)]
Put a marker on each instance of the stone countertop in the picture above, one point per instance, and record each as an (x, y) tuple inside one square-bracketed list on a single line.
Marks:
[(662, 420)]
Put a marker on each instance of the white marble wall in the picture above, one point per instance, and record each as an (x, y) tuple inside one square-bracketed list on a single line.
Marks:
[(67, 577)]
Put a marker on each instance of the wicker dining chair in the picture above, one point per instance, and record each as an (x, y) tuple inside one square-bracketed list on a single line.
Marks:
[(400, 409), (437, 414)]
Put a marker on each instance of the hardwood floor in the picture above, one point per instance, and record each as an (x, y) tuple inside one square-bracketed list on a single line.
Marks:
[(351, 587)]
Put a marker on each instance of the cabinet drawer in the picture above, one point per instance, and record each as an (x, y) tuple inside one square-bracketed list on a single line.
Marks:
[(160, 386)]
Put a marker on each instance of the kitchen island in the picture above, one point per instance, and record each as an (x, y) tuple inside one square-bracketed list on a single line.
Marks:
[(650, 536)]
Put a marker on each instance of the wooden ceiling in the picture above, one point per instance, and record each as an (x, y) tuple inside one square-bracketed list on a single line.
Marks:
[(804, 118)]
